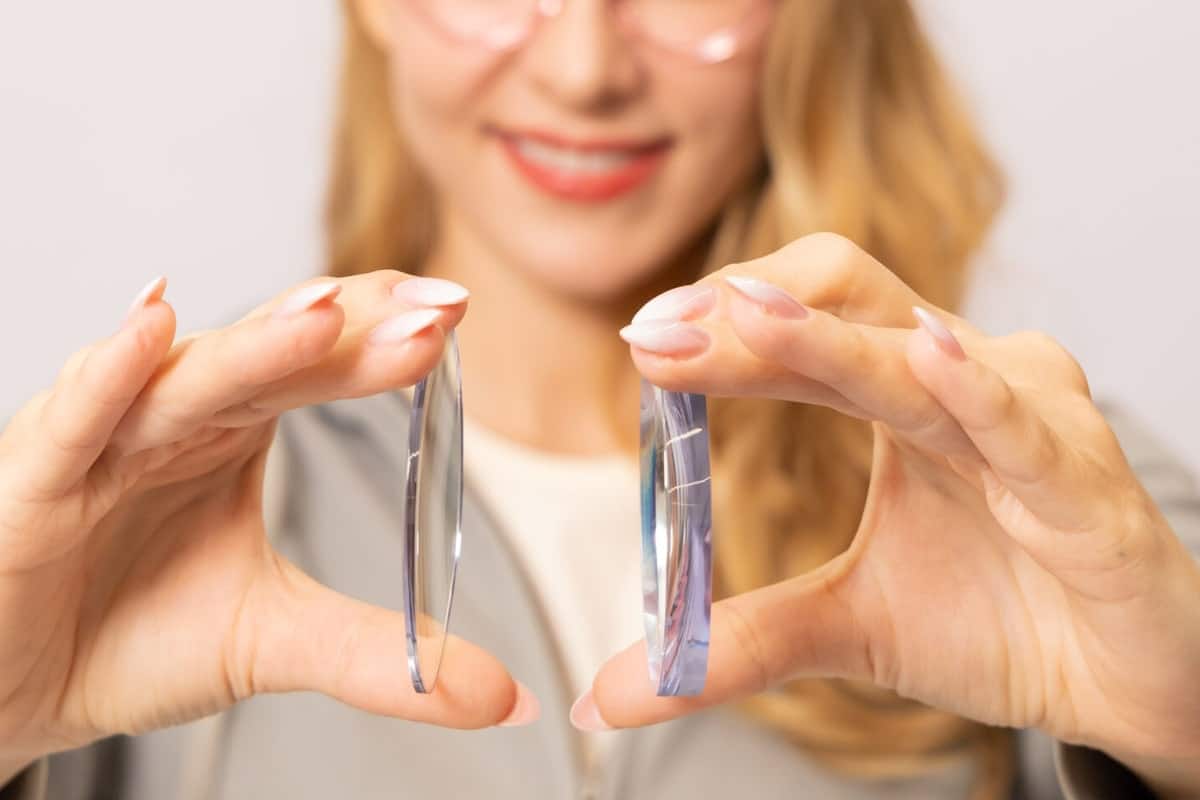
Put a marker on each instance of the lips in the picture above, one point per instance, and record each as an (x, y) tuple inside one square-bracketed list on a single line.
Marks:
[(583, 171)]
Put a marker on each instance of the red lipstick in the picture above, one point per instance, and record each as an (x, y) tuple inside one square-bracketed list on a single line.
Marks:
[(588, 171)]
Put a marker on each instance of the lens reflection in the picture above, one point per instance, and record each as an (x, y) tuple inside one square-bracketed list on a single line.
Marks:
[(433, 506)]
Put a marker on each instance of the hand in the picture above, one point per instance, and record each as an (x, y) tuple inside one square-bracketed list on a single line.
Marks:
[(1008, 567), (137, 586)]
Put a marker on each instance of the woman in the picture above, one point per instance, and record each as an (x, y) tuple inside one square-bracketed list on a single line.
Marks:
[(982, 558)]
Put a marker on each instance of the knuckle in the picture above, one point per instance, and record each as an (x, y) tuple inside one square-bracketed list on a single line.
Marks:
[(146, 345), (1092, 423), (834, 256), (1051, 353), (1043, 454), (346, 655), (381, 281), (857, 357), (830, 248), (1000, 407), (750, 645), (827, 252)]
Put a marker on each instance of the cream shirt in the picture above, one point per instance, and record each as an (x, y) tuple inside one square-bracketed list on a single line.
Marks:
[(574, 523)]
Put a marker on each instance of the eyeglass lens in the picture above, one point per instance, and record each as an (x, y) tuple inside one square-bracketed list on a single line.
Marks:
[(433, 514), (676, 538), (684, 24)]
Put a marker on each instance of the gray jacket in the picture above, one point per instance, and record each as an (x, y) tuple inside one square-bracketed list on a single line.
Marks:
[(332, 508)]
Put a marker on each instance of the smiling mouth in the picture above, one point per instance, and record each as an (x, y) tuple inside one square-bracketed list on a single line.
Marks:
[(583, 171)]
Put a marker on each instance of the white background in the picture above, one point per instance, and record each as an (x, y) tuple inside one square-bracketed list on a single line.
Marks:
[(141, 137)]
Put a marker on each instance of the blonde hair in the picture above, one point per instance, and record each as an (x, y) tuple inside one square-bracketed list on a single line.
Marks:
[(865, 137)]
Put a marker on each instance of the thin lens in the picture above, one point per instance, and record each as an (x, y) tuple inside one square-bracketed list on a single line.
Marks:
[(676, 538), (433, 505)]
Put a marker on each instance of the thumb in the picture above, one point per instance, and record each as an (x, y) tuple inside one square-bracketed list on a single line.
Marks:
[(308, 637), (801, 628)]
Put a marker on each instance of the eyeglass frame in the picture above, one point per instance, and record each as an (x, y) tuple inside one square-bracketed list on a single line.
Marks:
[(715, 48)]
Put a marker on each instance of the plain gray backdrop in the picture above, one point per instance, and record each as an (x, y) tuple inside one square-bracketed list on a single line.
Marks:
[(140, 137)]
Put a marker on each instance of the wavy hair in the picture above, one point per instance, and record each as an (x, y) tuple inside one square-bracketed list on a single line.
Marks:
[(864, 136)]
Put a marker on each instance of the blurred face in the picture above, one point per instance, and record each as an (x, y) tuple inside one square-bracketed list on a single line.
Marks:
[(587, 143)]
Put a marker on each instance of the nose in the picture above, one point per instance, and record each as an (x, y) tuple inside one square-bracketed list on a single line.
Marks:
[(580, 58)]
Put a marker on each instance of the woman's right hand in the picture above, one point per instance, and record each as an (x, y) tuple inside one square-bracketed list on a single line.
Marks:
[(138, 589)]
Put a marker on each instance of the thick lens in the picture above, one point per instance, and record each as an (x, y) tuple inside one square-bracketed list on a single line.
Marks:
[(676, 538), (433, 506), (480, 20), (713, 30)]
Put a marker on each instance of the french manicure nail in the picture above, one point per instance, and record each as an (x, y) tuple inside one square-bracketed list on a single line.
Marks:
[(667, 338), (678, 304), (946, 340), (430, 292), (585, 716), (152, 292), (526, 710), (773, 299), (403, 327), (303, 299)]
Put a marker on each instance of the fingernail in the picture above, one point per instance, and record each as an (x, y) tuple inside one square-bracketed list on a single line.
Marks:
[(678, 304), (405, 326), (667, 338), (940, 333), (303, 299), (430, 292), (152, 292), (586, 717), (526, 710), (773, 299)]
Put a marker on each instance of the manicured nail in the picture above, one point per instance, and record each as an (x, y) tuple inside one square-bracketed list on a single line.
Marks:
[(773, 299), (586, 717), (403, 327), (667, 338), (152, 293), (684, 302), (526, 710), (303, 299), (430, 292), (940, 333)]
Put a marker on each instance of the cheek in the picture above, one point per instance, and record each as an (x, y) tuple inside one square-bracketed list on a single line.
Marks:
[(718, 111), (434, 87)]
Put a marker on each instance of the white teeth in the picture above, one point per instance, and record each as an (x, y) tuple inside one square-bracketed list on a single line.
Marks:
[(565, 160)]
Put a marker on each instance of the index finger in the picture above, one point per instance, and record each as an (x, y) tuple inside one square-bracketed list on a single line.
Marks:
[(829, 272)]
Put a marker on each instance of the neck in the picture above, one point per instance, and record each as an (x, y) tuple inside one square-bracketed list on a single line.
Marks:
[(540, 366)]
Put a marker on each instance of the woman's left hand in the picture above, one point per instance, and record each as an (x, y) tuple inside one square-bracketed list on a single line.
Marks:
[(1009, 566)]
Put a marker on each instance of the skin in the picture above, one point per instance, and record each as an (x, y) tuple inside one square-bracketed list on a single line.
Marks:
[(544, 264), (997, 490), (131, 526)]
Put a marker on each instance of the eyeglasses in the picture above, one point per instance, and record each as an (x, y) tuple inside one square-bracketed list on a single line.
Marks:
[(709, 31), (676, 505)]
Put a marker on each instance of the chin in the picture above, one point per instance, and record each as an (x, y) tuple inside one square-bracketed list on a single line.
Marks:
[(593, 279)]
